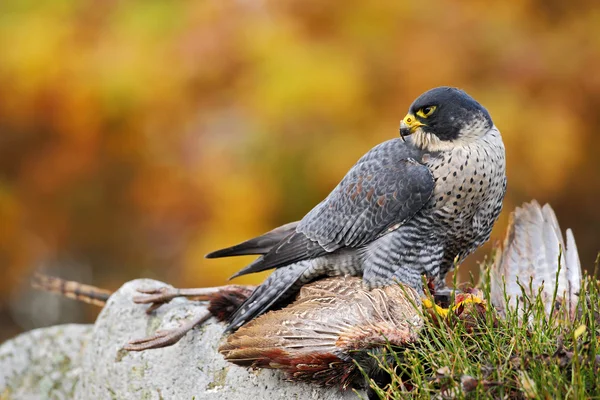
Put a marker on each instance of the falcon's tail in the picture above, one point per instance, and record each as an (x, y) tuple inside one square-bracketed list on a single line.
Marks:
[(282, 284), (73, 290), (533, 247), (258, 245)]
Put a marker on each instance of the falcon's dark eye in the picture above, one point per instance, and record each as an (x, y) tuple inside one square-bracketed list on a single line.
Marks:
[(426, 111)]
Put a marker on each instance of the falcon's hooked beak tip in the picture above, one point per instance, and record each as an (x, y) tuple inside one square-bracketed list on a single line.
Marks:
[(409, 125), (404, 132)]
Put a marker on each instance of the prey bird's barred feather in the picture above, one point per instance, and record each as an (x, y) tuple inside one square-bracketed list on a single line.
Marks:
[(70, 289)]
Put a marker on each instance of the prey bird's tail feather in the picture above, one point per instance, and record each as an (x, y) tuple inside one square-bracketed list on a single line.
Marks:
[(73, 290), (534, 249), (258, 245)]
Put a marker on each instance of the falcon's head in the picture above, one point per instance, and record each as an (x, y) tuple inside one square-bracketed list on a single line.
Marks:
[(445, 117)]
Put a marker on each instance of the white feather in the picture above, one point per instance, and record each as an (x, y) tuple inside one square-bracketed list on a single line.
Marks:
[(530, 258)]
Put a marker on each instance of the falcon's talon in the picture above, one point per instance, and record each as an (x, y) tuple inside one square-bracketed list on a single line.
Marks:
[(430, 305), (462, 300)]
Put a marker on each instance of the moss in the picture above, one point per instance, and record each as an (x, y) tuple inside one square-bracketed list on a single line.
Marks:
[(138, 371), (153, 325), (219, 378), (120, 354), (6, 394)]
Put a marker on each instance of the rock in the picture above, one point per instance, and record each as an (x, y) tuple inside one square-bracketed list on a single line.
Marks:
[(87, 362), (43, 363)]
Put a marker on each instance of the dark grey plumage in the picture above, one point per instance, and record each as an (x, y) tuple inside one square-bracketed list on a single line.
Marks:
[(408, 207)]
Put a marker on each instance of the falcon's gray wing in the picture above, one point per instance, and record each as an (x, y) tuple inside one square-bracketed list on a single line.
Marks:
[(385, 188)]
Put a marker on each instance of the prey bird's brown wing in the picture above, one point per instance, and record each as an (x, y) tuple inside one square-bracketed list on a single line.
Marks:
[(385, 188), (332, 322)]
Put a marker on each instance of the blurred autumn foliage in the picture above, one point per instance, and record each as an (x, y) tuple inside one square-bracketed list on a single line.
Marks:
[(136, 136)]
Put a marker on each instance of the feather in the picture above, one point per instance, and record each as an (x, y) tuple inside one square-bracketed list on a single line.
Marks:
[(533, 252), (333, 321), (259, 245)]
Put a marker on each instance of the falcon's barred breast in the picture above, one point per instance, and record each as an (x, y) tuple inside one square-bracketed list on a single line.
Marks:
[(408, 207)]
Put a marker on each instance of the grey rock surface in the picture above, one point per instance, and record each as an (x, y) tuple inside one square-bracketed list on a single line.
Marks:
[(87, 362), (43, 363)]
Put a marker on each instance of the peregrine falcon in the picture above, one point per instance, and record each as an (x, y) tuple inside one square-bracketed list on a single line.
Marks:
[(409, 207)]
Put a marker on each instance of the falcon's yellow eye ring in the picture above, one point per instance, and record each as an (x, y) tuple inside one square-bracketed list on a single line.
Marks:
[(426, 111)]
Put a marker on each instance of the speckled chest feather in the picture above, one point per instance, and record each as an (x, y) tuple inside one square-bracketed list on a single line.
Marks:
[(470, 183)]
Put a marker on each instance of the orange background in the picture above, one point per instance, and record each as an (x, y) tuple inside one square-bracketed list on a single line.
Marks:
[(136, 136)]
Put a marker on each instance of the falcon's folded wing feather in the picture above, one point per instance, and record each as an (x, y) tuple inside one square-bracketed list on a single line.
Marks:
[(384, 189), (259, 245)]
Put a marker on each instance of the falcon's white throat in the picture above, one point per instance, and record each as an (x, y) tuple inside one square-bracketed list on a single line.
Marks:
[(477, 129)]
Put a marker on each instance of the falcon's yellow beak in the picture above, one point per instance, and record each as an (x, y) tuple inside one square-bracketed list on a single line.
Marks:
[(409, 125)]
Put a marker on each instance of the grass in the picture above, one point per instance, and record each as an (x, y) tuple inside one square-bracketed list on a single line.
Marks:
[(549, 358)]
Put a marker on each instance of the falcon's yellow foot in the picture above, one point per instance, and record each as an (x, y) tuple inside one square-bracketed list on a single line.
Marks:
[(433, 308), (471, 301)]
